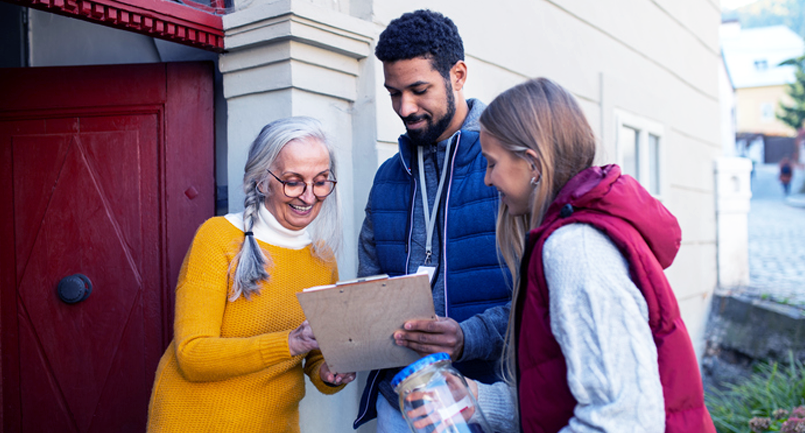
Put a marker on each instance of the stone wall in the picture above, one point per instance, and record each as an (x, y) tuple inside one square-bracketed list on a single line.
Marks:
[(744, 330)]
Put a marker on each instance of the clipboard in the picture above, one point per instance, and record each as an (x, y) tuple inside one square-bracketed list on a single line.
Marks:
[(354, 321)]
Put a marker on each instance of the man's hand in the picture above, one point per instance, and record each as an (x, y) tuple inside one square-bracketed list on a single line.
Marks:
[(431, 336), (334, 378)]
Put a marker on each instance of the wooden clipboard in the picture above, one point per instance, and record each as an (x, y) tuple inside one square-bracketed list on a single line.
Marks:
[(354, 321)]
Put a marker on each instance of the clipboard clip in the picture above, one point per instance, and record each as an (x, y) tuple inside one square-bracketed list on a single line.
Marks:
[(363, 279)]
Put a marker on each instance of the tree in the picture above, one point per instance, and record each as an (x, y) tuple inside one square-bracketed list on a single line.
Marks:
[(794, 115)]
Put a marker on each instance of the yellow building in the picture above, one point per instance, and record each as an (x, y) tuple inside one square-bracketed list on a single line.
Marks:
[(756, 108)]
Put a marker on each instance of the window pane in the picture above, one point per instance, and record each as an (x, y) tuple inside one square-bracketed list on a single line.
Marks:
[(628, 141), (761, 64), (654, 163), (766, 112)]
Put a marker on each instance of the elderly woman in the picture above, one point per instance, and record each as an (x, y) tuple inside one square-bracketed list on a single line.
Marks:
[(241, 342), (595, 334)]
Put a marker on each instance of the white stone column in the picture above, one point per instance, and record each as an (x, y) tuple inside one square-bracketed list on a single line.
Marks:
[(293, 57), (733, 192)]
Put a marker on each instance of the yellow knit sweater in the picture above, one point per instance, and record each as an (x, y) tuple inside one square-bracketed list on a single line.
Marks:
[(228, 368)]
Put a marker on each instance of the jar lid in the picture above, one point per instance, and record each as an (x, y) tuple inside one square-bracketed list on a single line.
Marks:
[(418, 365)]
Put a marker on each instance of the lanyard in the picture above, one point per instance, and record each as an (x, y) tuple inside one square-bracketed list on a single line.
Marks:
[(430, 217)]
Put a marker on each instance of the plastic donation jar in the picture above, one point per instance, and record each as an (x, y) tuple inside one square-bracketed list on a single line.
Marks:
[(434, 397)]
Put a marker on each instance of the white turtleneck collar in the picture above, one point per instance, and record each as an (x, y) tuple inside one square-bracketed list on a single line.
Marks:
[(270, 231)]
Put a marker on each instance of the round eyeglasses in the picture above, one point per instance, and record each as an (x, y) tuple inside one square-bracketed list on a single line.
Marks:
[(295, 188)]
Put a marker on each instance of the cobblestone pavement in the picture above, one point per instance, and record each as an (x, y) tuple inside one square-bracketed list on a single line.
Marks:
[(777, 238)]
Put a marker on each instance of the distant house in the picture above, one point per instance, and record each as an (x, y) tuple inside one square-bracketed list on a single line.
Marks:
[(752, 57)]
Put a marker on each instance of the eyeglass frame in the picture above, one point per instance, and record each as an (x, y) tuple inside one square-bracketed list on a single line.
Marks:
[(285, 185)]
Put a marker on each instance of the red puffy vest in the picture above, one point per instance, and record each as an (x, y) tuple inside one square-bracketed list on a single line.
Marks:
[(648, 236)]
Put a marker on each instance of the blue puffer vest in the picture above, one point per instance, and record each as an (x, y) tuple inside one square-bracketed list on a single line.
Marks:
[(473, 278)]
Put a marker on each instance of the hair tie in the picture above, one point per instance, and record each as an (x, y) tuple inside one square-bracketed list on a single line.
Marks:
[(248, 234)]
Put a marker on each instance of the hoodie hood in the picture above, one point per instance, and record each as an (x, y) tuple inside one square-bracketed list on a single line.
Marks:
[(605, 190), (471, 122)]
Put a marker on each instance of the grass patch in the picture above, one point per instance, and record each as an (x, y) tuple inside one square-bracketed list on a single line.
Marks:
[(772, 398)]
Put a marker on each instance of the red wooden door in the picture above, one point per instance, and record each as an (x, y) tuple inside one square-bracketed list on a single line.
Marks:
[(106, 172)]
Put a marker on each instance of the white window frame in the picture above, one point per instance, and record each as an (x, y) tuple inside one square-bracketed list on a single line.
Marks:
[(766, 112), (761, 64), (644, 127)]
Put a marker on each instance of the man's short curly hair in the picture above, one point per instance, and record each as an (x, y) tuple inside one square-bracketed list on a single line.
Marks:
[(422, 33)]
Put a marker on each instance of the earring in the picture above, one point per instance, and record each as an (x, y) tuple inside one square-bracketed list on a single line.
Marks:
[(535, 181)]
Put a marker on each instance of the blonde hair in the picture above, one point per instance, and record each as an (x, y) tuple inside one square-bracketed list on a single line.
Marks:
[(252, 261), (542, 116)]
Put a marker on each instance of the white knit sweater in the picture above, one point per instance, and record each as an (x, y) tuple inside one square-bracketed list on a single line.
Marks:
[(600, 320)]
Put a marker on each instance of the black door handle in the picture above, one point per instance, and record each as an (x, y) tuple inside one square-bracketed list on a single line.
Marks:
[(74, 289)]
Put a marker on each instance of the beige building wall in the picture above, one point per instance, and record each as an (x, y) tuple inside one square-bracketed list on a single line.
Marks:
[(756, 108)]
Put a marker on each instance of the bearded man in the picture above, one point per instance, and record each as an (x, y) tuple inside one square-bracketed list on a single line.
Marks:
[(429, 210)]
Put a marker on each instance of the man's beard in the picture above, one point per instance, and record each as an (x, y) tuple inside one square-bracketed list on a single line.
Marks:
[(428, 135)]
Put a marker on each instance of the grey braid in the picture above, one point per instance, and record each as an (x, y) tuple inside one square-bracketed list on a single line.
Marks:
[(251, 260)]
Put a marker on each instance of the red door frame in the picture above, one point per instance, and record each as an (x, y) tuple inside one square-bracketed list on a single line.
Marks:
[(162, 19), (186, 174)]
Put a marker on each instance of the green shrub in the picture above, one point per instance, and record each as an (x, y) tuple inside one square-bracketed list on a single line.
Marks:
[(767, 400)]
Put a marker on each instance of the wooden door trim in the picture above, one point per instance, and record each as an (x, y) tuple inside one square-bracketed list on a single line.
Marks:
[(55, 113), (189, 170), (9, 330), (82, 93)]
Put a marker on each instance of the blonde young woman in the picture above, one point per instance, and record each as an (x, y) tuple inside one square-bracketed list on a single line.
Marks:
[(240, 342), (595, 339)]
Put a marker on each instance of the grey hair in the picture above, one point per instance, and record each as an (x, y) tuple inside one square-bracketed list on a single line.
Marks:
[(252, 261)]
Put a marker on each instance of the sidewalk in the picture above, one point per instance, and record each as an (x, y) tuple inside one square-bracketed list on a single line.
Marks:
[(776, 239), (796, 200)]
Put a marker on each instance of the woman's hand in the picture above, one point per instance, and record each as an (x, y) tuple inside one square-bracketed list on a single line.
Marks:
[(425, 413), (301, 340), (334, 378), (473, 386)]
